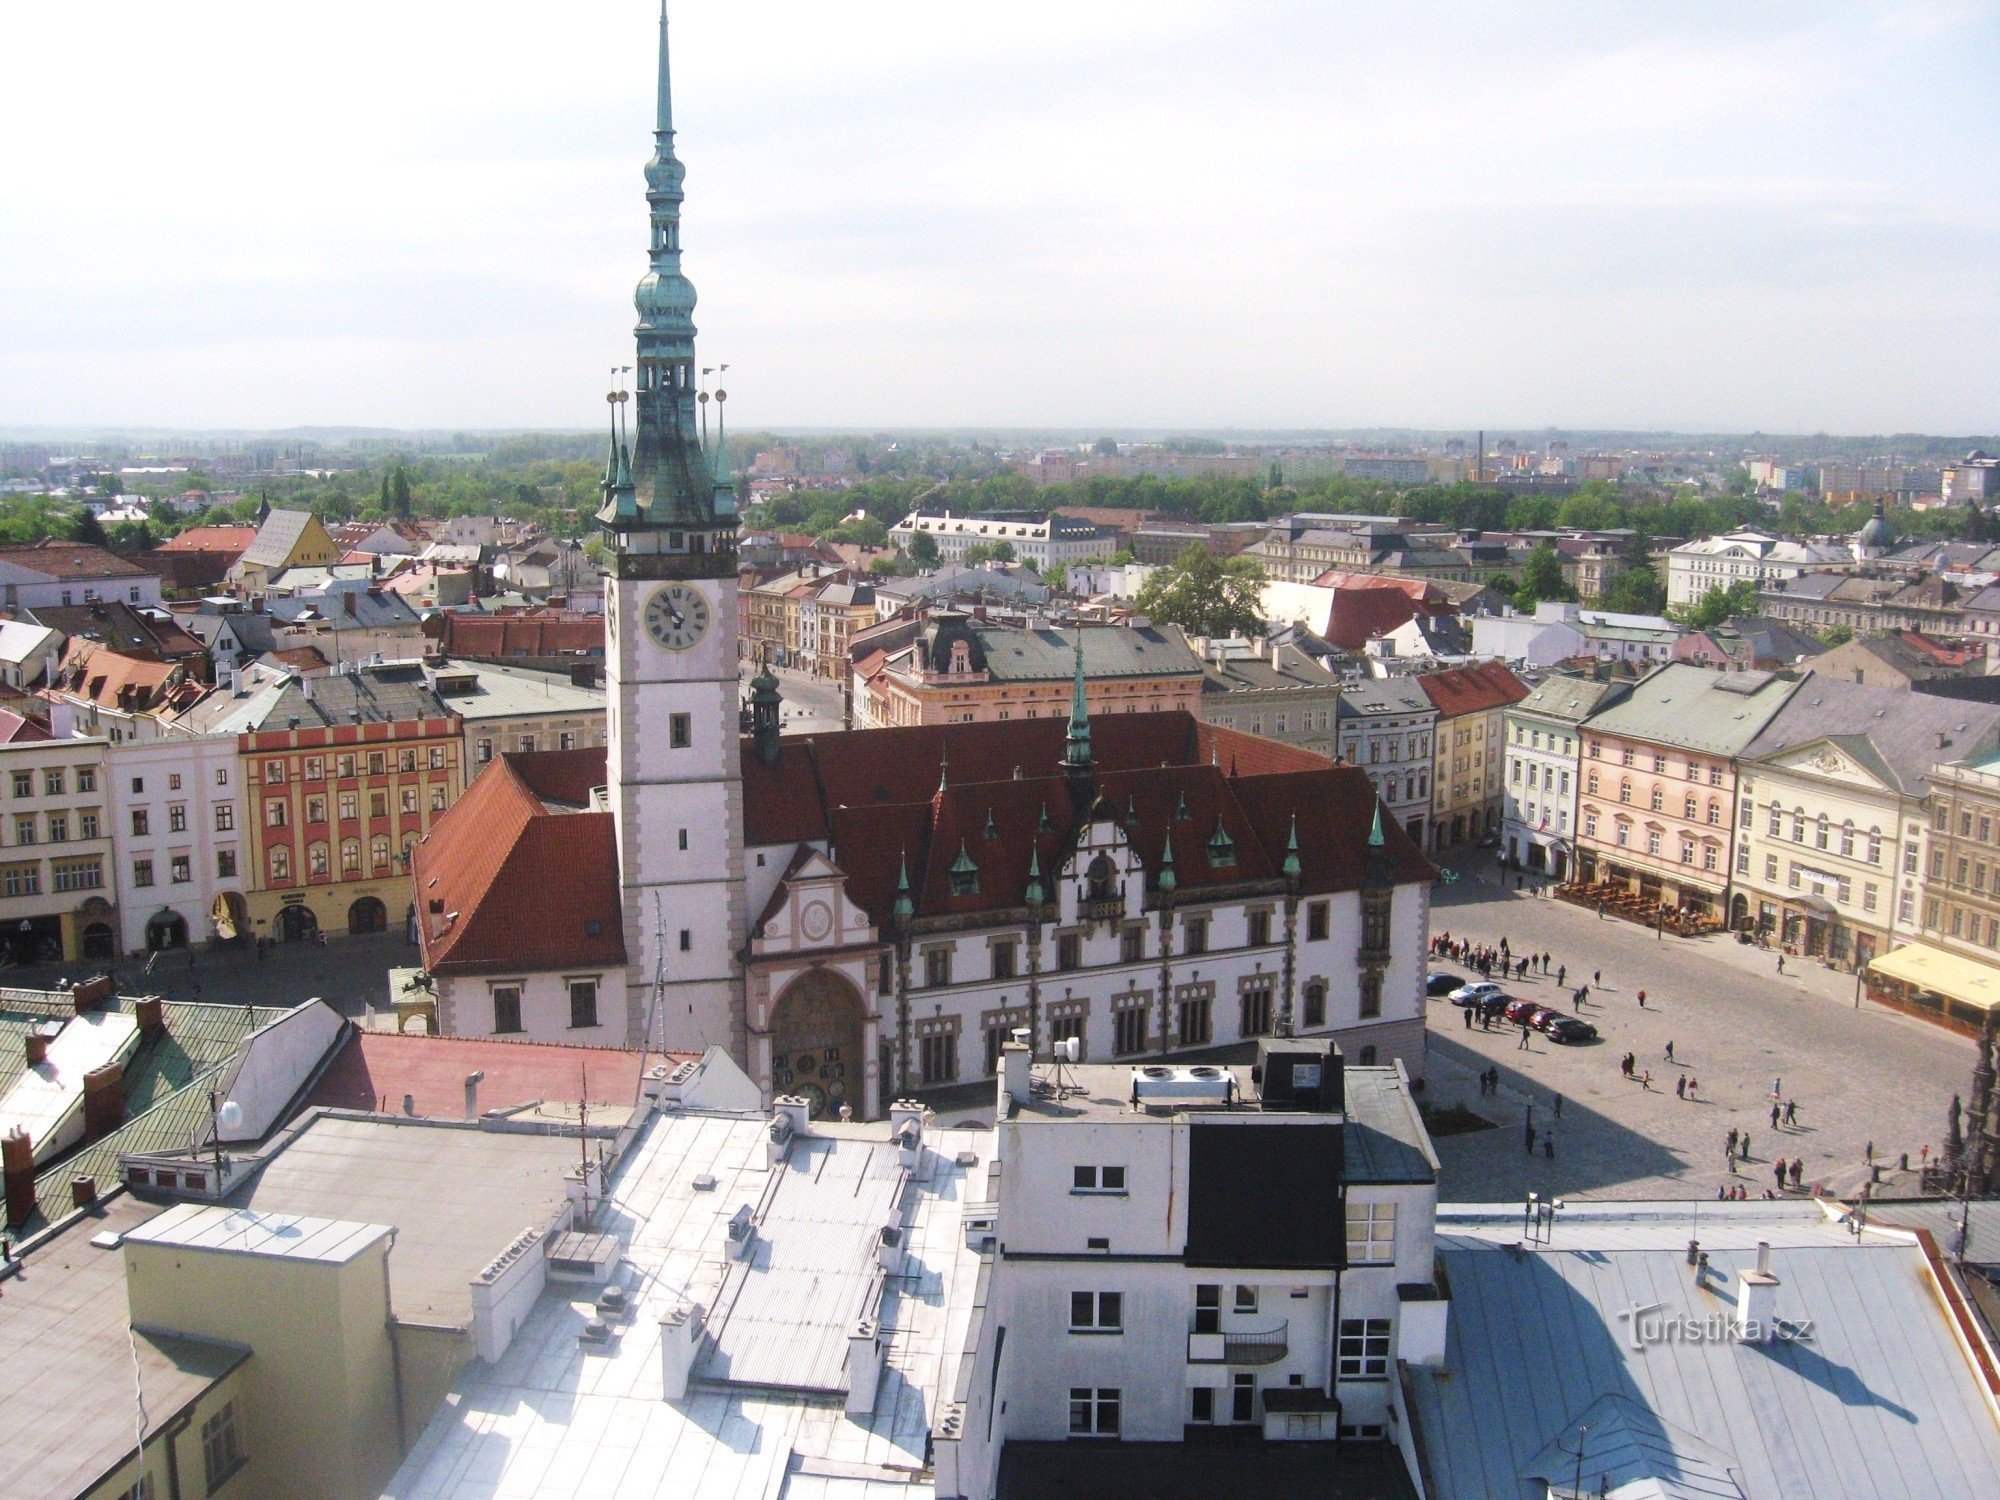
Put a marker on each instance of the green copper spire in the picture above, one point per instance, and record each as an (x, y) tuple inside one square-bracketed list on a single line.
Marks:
[(674, 483), (1168, 880), (1034, 893), (905, 907), (1076, 750), (1291, 865), (1375, 839)]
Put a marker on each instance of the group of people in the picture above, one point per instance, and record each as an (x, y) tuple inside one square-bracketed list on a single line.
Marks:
[(1485, 958)]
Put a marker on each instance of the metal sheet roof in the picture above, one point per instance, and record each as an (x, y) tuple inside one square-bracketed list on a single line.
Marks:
[(1878, 1400), (243, 1231)]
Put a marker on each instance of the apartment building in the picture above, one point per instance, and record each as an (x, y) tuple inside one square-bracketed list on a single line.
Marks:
[(1273, 690), (1542, 735), (179, 833), (341, 775), (58, 894), (1196, 1252), (1823, 795), (1466, 775), (1657, 812), (960, 671), (1386, 726), (508, 710), (1041, 539), (1716, 562)]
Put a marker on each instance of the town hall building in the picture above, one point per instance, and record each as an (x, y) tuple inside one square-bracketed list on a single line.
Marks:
[(859, 915)]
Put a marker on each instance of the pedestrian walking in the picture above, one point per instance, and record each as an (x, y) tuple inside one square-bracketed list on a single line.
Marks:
[(1778, 1171), (1729, 1157), (1681, 1087), (1468, 1018), (1730, 1150), (1646, 1080), (1562, 974), (1797, 1165), (1670, 1050), (1524, 1040), (1642, 999), (1781, 963), (1694, 1087), (1743, 1146), (1776, 1115), (1503, 946), (1791, 1111), (1597, 977), (1549, 1146), (1871, 1152)]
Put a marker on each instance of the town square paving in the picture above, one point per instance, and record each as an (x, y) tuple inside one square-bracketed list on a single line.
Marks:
[(1860, 1075)]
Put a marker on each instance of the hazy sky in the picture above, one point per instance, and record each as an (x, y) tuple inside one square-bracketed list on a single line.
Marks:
[(1063, 212)]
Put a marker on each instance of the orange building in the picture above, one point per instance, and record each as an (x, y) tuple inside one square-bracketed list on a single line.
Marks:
[(341, 779)]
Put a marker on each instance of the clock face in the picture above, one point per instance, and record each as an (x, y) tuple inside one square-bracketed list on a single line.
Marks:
[(677, 617)]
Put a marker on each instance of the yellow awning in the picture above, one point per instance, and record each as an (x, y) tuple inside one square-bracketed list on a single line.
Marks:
[(1961, 979)]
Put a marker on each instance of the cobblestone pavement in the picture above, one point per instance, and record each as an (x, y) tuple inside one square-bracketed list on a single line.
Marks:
[(1860, 1075), (350, 973)]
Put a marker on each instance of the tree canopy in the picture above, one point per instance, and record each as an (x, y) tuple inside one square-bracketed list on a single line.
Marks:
[(1717, 605), (1541, 580), (1205, 595)]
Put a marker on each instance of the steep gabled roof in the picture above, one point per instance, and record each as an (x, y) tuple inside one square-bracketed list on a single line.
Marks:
[(1473, 689), (503, 884)]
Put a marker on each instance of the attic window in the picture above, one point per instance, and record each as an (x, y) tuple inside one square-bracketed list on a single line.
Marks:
[(1221, 848), (964, 874)]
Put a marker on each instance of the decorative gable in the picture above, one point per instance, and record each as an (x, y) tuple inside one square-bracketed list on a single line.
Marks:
[(811, 910)]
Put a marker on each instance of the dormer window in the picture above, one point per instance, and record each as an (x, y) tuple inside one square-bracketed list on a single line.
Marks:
[(1221, 848), (964, 874), (961, 657), (1102, 878)]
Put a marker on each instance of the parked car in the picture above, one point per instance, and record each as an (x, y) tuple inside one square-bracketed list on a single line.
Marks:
[(1479, 989), (1493, 1006), (1569, 1030), (1441, 983), (1523, 1012)]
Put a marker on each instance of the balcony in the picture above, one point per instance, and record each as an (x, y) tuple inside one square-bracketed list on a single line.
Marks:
[(1108, 909), (1264, 1347)]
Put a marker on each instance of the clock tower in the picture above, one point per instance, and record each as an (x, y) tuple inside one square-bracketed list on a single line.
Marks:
[(675, 780)]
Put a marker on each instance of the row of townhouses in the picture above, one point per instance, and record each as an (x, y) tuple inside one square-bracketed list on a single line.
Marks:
[(1843, 821)]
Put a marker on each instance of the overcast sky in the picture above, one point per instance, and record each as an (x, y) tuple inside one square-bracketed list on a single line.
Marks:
[(1043, 212)]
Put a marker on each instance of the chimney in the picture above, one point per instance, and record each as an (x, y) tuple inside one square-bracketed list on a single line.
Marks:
[(1757, 1300), (583, 674), (150, 1012), (680, 1342), (1014, 1059), (88, 995), (83, 1192), (36, 1043), (410, 1104), (17, 1153), (472, 1082), (103, 1101), (348, 603), (906, 1129), (864, 1367), (257, 605)]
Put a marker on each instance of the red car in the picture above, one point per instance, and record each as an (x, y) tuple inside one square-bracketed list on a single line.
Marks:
[(1522, 1012)]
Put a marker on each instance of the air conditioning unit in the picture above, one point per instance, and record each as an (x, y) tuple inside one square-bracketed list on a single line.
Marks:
[(1158, 1085)]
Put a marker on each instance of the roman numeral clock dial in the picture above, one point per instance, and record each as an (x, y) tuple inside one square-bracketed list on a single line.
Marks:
[(677, 617)]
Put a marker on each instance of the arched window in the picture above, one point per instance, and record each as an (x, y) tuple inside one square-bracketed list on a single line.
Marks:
[(1874, 846), (1714, 813), (1689, 808), (1798, 825), (1103, 878), (1625, 789), (1847, 840), (1819, 832)]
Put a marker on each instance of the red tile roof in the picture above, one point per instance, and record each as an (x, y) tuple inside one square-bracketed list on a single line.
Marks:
[(563, 776), (521, 635), (1358, 616), (15, 730), (234, 540), (1466, 690), (375, 1069), (72, 561), (103, 675), (489, 898)]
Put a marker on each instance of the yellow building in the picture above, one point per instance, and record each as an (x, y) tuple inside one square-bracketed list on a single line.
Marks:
[(57, 887), (287, 539), (1466, 783), (312, 1411)]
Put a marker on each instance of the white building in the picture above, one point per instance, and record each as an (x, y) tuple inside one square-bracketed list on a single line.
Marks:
[(1538, 828), (1385, 727), (1716, 562), (1038, 539), (1532, 642), (1203, 1248), (178, 832)]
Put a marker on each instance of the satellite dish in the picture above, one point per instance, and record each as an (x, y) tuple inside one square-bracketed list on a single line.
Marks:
[(231, 1115), (1070, 1049)]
